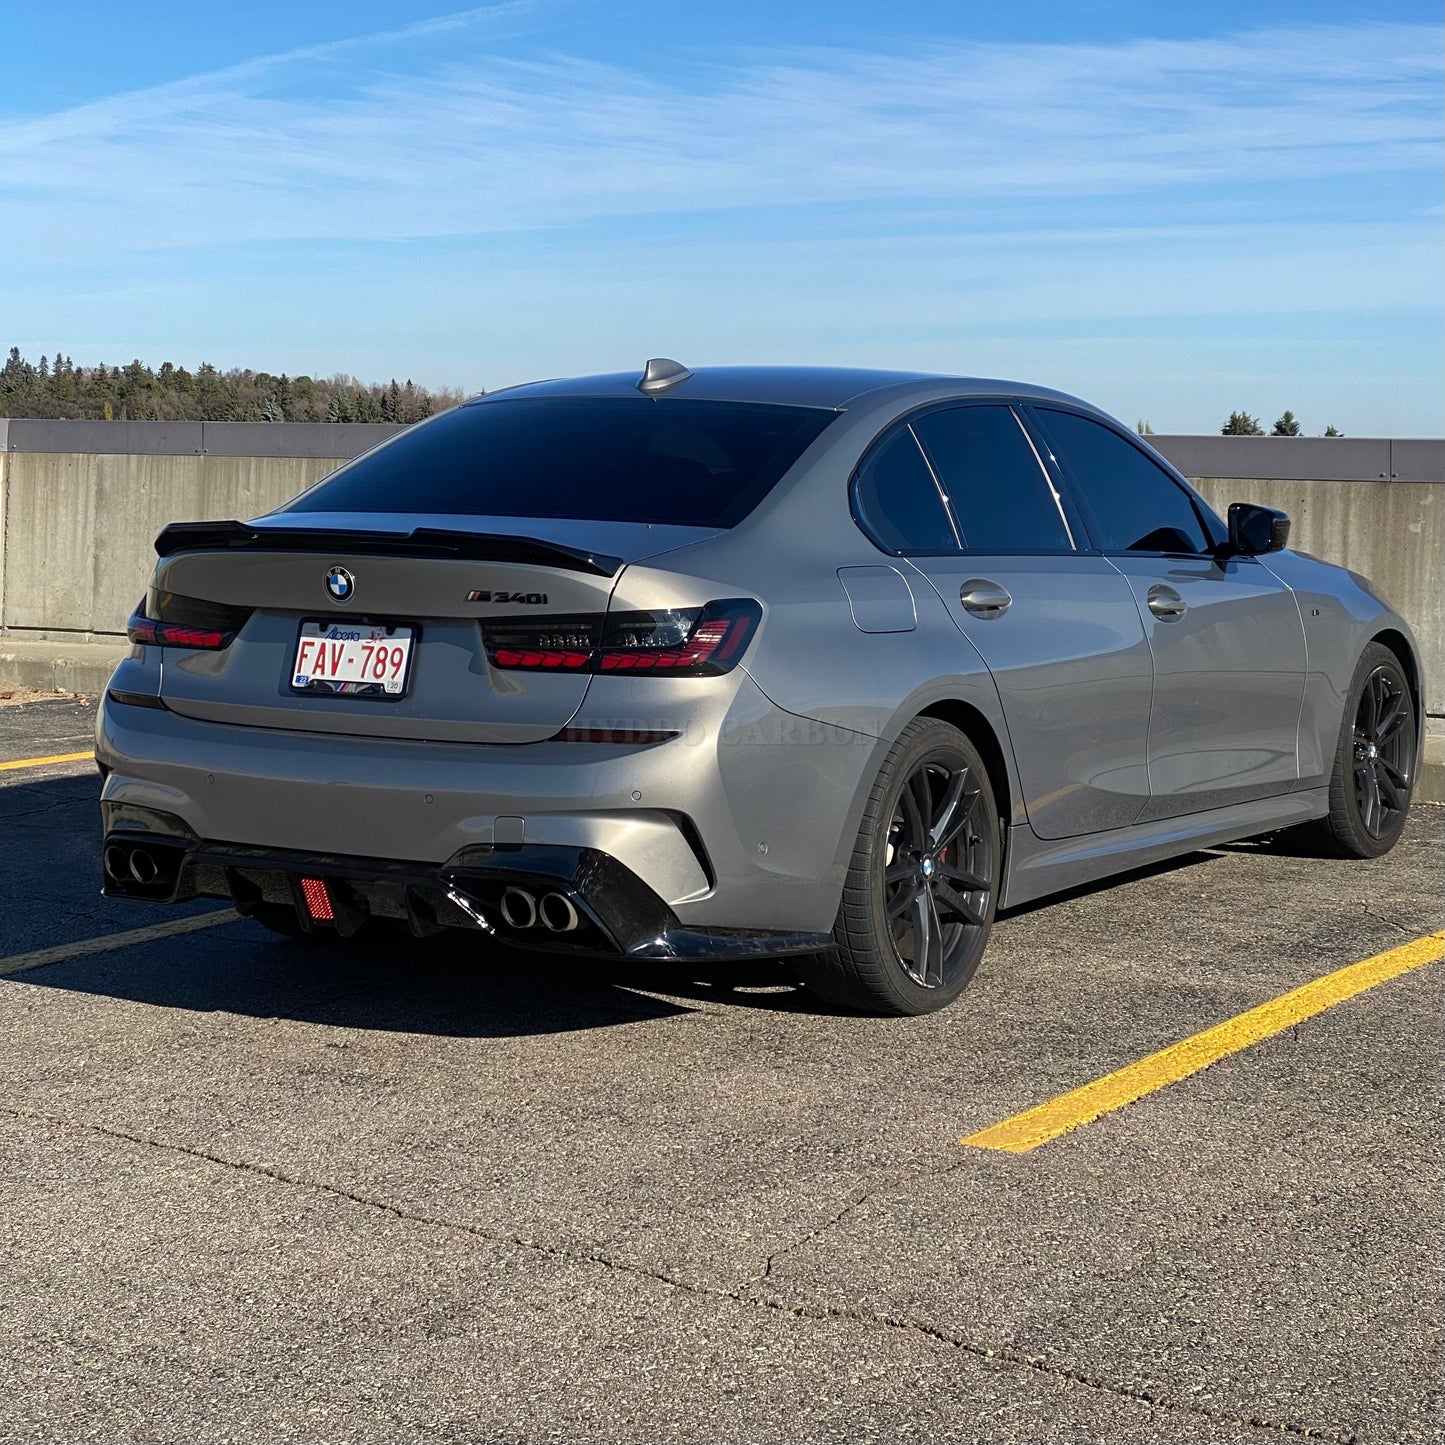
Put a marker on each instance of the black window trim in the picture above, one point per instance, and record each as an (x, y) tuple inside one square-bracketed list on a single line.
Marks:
[(1209, 522), (884, 438), (1073, 520)]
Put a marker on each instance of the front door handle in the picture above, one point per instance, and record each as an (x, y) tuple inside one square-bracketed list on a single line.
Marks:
[(1166, 604), (984, 598)]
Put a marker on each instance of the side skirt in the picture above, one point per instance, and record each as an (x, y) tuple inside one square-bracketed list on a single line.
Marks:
[(1037, 866)]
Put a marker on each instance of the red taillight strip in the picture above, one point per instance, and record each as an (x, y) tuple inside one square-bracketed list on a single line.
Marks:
[(717, 639), (172, 634), (700, 647), (551, 659)]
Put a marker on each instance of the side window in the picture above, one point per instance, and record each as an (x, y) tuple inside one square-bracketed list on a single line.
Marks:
[(1133, 504), (897, 500), (1001, 498)]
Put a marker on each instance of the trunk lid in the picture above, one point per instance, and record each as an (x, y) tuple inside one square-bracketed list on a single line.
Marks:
[(443, 577)]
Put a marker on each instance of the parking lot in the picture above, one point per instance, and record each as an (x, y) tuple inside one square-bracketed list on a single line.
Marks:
[(258, 1189)]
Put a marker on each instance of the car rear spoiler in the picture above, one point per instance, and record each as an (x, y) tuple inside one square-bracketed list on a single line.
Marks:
[(421, 542)]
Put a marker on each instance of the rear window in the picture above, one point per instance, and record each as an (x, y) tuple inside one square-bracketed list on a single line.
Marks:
[(689, 463)]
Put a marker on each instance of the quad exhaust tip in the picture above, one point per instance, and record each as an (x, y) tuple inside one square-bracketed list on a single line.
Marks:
[(558, 913), (522, 910), (518, 909), (134, 865)]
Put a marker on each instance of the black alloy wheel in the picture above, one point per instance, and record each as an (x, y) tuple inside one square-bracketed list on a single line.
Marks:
[(1373, 775), (1384, 751), (937, 872), (922, 886)]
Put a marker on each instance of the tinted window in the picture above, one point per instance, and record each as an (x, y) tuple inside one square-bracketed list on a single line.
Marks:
[(1001, 498), (695, 463), (898, 501), (1134, 505)]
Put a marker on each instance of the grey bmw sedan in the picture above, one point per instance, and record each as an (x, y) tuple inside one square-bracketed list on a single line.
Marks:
[(674, 665)]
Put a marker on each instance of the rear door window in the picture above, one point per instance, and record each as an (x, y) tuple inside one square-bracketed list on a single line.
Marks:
[(897, 501), (609, 459), (1002, 500), (1132, 503)]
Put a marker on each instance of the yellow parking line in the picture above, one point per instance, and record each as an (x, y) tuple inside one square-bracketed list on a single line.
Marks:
[(62, 951), (45, 762), (1037, 1126)]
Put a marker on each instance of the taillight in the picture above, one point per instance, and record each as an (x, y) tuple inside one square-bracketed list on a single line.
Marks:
[(679, 642), (165, 619)]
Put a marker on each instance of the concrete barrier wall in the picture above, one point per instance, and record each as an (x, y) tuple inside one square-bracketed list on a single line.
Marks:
[(79, 528), (1393, 532), (81, 502)]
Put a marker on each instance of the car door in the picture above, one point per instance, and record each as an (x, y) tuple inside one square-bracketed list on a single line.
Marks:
[(1057, 629), (1226, 635)]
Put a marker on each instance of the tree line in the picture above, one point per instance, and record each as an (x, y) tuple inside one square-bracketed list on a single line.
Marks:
[(1241, 424), (56, 387)]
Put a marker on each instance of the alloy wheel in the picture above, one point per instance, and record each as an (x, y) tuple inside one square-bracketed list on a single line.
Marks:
[(938, 872), (1384, 751)]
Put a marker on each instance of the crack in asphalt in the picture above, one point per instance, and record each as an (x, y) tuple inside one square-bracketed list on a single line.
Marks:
[(856, 1199), (1380, 918), (14, 814), (797, 1310)]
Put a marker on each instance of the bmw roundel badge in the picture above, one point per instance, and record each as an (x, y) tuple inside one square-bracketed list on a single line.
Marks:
[(340, 584)]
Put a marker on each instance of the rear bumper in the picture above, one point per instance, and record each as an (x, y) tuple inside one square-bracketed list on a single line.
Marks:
[(560, 899), (742, 824)]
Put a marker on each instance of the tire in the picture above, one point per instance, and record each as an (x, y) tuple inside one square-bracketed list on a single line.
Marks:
[(908, 937), (1373, 776)]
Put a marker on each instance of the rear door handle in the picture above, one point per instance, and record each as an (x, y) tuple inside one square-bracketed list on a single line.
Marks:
[(1166, 604), (984, 598)]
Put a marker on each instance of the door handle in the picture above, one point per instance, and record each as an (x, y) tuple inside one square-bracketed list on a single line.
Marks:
[(983, 598), (1166, 604)]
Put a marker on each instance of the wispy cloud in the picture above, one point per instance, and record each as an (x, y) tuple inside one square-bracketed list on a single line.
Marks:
[(1155, 223), (389, 136)]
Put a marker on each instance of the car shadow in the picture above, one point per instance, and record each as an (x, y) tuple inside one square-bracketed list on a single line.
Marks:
[(453, 984), (432, 986), (457, 984)]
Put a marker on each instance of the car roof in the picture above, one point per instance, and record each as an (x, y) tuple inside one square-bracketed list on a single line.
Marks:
[(834, 387)]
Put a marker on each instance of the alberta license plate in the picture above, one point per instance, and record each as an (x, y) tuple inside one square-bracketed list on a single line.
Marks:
[(360, 659)]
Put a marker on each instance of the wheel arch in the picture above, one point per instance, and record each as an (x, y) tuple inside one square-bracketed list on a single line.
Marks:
[(1399, 644), (980, 732)]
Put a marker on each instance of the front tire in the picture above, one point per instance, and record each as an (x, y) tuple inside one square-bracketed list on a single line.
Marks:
[(922, 886), (1373, 777)]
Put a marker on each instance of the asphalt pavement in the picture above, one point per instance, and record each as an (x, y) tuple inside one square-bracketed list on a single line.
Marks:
[(256, 1189)]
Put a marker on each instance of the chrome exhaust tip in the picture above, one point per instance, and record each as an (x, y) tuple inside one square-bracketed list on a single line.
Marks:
[(518, 909), (143, 867), (558, 913), (117, 863)]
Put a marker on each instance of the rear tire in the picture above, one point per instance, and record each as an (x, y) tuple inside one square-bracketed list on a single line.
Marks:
[(1373, 777), (922, 885)]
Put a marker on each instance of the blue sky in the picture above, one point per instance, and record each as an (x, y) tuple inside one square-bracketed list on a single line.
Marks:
[(1174, 211)]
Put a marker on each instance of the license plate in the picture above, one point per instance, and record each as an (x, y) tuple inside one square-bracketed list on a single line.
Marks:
[(355, 659)]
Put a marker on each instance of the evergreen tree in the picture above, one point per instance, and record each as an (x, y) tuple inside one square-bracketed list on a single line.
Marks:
[(1241, 424), (1331, 432), (58, 388), (1286, 426)]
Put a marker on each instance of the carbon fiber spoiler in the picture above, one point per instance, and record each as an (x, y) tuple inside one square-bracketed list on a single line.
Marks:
[(421, 542)]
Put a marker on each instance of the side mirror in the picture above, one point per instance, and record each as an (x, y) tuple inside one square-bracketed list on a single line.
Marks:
[(1254, 529)]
